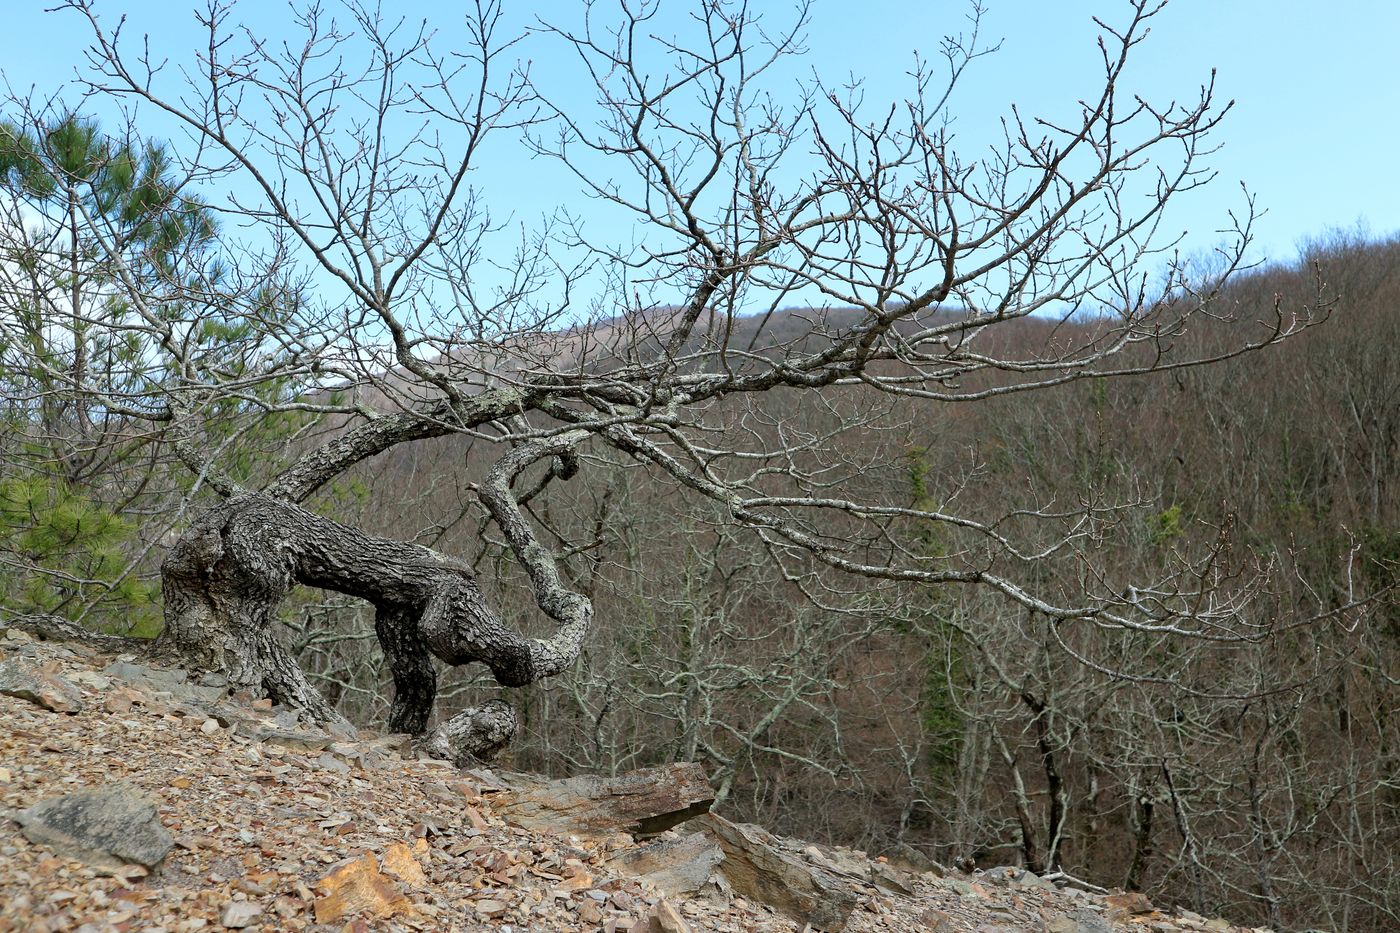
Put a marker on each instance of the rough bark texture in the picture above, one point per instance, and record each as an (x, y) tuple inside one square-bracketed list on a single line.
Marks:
[(317, 467), (410, 662), (472, 735), (224, 579), (47, 627)]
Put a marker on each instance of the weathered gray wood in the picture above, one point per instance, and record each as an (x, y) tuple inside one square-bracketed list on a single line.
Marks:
[(55, 628), (224, 579), (315, 468), (472, 736), (643, 802)]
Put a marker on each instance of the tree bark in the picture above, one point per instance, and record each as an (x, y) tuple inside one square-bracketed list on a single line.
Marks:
[(225, 578)]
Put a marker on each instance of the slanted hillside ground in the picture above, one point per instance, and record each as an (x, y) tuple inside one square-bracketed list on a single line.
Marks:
[(248, 819)]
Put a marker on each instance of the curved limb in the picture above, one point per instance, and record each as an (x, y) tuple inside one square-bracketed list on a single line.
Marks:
[(225, 578), (571, 610)]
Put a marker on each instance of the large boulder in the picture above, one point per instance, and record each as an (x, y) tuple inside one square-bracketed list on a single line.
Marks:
[(27, 680), (106, 828)]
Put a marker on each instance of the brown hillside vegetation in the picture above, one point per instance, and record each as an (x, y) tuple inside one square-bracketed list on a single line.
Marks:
[(1251, 780)]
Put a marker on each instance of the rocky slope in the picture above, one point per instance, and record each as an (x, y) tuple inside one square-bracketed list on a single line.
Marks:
[(134, 797)]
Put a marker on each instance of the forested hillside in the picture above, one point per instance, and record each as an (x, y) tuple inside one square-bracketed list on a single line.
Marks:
[(1253, 775), (912, 476), (1250, 775)]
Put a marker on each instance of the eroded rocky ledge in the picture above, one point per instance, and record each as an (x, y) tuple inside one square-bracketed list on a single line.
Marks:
[(276, 825)]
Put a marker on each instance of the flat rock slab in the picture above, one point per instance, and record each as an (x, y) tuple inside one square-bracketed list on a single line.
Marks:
[(158, 677), (28, 681), (106, 828), (1078, 921), (672, 866), (756, 867), (299, 740), (359, 887), (644, 803)]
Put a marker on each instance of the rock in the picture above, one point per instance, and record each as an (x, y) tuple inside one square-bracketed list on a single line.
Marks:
[(121, 699), (399, 861), (156, 678), (666, 919), (672, 866), (857, 865), (125, 670), (344, 731), (580, 882), (839, 860), (301, 741), (960, 887), (27, 681), (905, 856), (91, 679), (891, 879), (107, 828), (199, 694), (1126, 905), (643, 803), (239, 914), (758, 869), (358, 887), (1079, 921), (936, 921), (1005, 874)]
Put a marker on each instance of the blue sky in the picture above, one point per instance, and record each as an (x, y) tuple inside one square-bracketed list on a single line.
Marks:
[(1317, 86)]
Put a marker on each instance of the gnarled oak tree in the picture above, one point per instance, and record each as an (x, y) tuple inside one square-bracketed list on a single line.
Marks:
[(362, 292)]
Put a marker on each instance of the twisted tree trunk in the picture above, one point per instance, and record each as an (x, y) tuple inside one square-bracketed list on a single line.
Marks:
[(225, 578)]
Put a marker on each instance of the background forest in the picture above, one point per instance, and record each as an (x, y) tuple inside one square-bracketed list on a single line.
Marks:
[(152, 361), (1253, 779)]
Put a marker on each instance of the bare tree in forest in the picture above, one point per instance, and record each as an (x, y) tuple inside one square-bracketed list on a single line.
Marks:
[(376, 305)]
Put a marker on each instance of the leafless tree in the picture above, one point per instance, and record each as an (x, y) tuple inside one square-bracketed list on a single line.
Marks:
[(373, 302)]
